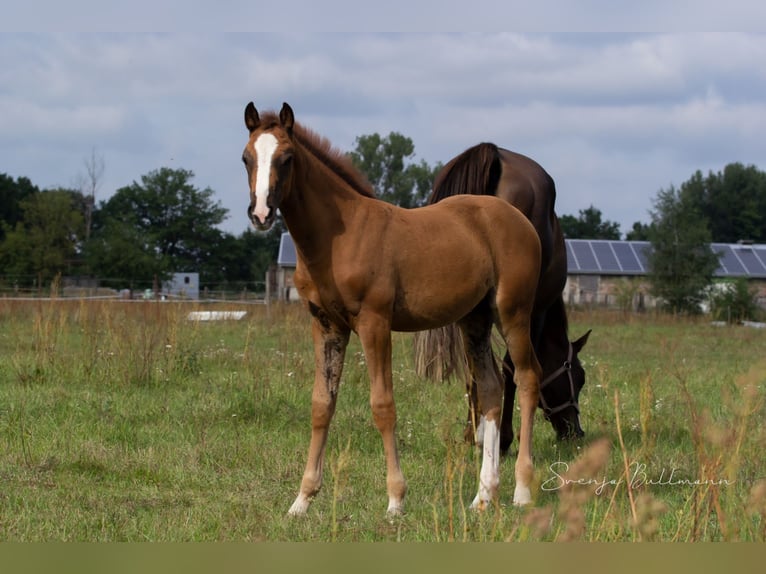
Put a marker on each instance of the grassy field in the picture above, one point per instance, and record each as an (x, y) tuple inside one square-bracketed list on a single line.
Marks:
[(125, 421)]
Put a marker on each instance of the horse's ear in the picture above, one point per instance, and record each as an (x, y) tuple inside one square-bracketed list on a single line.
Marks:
[(580, 343), (252, 121), (287, 118)]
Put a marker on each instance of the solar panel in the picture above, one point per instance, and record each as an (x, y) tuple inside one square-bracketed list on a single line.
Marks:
[(572, 263), (586, 260), (642, 250), (749, 260), (760, 254), (607, 261), (728, 264), (627, 257)]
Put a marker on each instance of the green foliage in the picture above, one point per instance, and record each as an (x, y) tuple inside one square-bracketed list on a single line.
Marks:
[(733, 201), (162, 225), (734, 301), (588, 225), (242, 261), (44, 243), (681, 262), (384, 162), (12, 193), (639, 232)]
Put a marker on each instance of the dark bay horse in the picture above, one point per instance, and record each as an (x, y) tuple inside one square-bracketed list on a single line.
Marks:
[(370, 267), (486, 169)]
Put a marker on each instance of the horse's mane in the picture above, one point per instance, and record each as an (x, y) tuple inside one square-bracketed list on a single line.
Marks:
[(320, 147), (475, 171)]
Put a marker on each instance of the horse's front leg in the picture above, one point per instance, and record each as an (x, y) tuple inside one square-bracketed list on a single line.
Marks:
[(527, 379), (375, 335), (330, 344)]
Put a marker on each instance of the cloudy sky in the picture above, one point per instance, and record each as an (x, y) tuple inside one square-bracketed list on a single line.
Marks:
[(613, 117)]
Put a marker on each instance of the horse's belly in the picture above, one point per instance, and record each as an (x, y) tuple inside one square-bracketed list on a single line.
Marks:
[(434, 304)]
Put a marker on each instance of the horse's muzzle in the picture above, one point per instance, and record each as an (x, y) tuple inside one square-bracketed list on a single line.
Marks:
[(567, 425), (261, 224)]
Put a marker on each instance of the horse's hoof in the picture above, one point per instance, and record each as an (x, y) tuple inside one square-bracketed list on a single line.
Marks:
[(479, 504), (522, 496), (300, 506), (395, 509)]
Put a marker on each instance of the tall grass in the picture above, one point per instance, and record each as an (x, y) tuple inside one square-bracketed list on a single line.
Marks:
[(125, 421)]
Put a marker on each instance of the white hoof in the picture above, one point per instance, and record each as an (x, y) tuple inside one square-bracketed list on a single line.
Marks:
[(480, 504), (395, 508), (521, 495), (300, 506)]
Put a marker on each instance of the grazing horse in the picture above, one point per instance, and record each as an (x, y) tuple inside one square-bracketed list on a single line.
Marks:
[(486, 169), (370, 267)]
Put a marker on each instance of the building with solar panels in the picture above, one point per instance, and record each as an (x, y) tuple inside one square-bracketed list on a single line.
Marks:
[(600, 272), (613, 273)]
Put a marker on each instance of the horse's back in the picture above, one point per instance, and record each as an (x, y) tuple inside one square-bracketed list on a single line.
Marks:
[(524, 183), (504, 230)]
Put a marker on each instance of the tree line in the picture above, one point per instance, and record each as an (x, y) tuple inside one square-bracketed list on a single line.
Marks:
[(143, 233), (163, 224)]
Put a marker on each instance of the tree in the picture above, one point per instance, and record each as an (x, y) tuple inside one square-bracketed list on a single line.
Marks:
[(733, 201), (589, 226), (734, 301), (639, 232), (237, 261), (46, 241), (681, 262), (383, 161), (12, 193), (88, 185), (161, 225)]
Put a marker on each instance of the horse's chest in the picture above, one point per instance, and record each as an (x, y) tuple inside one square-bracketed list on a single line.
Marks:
[(339, 294)]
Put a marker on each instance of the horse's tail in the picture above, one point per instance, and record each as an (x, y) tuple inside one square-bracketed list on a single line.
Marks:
[(439, 353), (476, 171)]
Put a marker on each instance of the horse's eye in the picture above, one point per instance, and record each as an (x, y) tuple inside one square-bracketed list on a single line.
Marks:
[(285, 160)]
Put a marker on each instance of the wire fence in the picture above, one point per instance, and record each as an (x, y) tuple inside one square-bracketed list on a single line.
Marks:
[(22, 288)]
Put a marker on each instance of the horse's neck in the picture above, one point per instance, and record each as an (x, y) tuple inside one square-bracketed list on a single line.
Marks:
[(554, 339), (317, 206)]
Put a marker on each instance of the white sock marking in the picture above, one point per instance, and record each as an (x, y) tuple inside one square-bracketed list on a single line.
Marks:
[(489, 477)]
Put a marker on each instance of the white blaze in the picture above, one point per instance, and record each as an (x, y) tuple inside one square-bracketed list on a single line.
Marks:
[(264, 146)]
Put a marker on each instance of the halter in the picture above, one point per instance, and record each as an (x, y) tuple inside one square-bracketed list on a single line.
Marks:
[(572, 402)]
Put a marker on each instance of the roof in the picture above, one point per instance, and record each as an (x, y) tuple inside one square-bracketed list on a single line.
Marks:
[(607, 257), (613, 257), (287, 256)]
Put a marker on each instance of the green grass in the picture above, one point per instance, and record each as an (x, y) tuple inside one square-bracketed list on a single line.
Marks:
[(126, 422)]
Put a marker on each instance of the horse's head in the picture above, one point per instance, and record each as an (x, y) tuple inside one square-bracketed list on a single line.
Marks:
[(560, 392), (268, 158)]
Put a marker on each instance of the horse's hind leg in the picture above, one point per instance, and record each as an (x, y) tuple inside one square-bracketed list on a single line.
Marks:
[(509, 398), (476, 330), (474, 427), (329, 351)]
